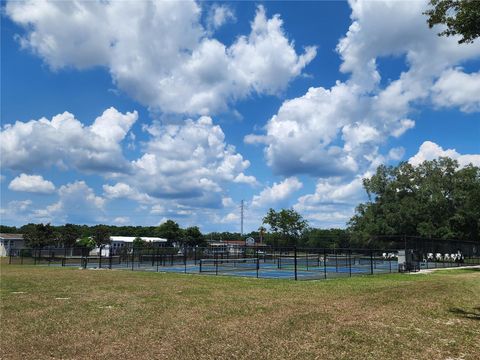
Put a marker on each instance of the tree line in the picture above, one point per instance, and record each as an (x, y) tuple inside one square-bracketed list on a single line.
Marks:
[(70, 235), (436, 199)]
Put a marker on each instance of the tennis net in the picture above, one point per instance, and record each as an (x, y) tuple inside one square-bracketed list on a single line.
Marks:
[(302, 261), (162, 259), (220, 265)]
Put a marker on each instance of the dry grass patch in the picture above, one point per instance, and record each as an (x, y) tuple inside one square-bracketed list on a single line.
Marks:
[(64, 313)]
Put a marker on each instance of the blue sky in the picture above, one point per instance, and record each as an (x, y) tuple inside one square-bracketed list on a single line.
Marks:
[(137, 112)]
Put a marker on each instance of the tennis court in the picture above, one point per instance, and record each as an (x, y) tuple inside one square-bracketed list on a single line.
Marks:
[(270, 263)]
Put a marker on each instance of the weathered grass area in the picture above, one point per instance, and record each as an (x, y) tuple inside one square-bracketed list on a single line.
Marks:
[(61, 313)]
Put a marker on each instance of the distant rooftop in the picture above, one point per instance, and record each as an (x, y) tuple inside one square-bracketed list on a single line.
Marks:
[(11, 236), (234, 243), (130, 239)]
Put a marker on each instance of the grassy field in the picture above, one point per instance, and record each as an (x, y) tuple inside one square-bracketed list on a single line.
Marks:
[(60, 313)]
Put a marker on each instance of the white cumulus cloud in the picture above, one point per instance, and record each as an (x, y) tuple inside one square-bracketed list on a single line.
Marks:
[(77, 203), (121, 220), (218, 15), (455, 88), (125, 191), (159, 53), (339, 131), (65, 142), (189, 161), (31, 183), (274, 194), (333, 201), (15, 209), (430, 151)]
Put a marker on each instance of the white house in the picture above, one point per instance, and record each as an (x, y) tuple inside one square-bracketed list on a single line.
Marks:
[(11, 244), (118, 242)]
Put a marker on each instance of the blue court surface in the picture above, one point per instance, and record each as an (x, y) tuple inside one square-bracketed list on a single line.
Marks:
[(267, 270), (276, 266)]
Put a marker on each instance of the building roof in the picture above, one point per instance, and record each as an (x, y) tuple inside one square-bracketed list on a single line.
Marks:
[(130, 239), (11, 236), (226, 242), (235, 243)]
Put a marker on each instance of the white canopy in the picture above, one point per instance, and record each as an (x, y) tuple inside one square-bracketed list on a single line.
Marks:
[(129, 239)]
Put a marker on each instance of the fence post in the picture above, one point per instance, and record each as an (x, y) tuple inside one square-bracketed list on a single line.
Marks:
[(133, 256), (110, 253), (295, 261), (258, 262), (325, 262), (350, 262), (185, 257), (336, 259), (371, 262)]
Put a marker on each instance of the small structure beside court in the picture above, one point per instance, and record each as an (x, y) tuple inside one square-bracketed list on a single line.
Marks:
[(11, 244)]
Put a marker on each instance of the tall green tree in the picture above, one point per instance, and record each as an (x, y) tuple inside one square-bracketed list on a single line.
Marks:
[(38, 235), (461, 17), (287, 226), (326, 238), (9, 229), (139, 243), (169, 230), (69, 234), (101, 235), (87, 242), (434, 199), (193, 236)]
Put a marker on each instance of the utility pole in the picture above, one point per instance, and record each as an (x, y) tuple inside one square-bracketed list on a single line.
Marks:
[(241, 217)]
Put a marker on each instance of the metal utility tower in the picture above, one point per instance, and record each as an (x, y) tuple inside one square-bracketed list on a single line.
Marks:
[(241, 217)]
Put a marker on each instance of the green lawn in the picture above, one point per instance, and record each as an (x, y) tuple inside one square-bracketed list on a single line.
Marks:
[(61, 313)]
